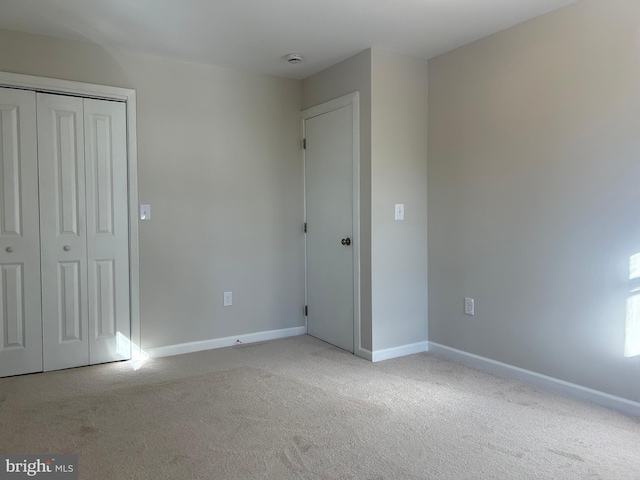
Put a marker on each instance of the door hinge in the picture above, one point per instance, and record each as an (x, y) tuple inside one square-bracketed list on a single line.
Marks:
[(306, 311), (305, 227), (304, 143)]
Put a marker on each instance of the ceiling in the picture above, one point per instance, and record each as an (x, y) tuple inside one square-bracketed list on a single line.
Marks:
[(256, 34)]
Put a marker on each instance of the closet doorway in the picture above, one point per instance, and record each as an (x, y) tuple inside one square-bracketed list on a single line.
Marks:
[(68, 231)]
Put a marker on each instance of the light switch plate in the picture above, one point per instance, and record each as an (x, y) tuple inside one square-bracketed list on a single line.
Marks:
[(399, 211), (145, 212)]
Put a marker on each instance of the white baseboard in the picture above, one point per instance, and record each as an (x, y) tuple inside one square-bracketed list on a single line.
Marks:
[(389, 353), (395, 352), (364, 353), (191, 347), (554, 384)]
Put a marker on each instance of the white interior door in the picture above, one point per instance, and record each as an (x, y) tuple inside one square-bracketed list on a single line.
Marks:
[(329, 216), (63, 229), (20, 320), (107, 230)]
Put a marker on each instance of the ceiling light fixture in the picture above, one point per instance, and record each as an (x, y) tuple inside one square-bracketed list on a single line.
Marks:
[(294, 58)]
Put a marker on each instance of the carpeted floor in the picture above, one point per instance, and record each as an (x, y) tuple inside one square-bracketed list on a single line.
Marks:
[(301, 409)]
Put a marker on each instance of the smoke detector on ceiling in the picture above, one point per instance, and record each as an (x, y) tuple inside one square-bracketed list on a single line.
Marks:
[(294, 58)]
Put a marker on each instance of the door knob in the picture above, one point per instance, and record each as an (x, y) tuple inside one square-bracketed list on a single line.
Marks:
[(66, 248), (9, 249), (346, 241)]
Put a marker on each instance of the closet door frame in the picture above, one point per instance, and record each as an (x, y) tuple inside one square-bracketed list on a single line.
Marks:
[(127, 96)]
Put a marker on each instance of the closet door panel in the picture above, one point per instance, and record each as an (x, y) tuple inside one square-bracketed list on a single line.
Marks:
[(63, 231), (20, 309), (107, 230)]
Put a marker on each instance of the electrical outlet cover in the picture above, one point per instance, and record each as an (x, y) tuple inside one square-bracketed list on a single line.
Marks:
[(469, 307), (228, 299)]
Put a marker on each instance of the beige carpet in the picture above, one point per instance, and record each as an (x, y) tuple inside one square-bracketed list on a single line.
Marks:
[(301, 409)]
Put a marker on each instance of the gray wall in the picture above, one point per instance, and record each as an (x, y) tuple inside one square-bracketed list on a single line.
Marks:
[(534, 194), (220, 163), (398, 175), (353, 74), (393, 169)]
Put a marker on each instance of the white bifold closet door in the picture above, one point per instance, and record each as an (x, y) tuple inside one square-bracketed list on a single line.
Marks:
[(20, 320), (105, 133), (84, 231)]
